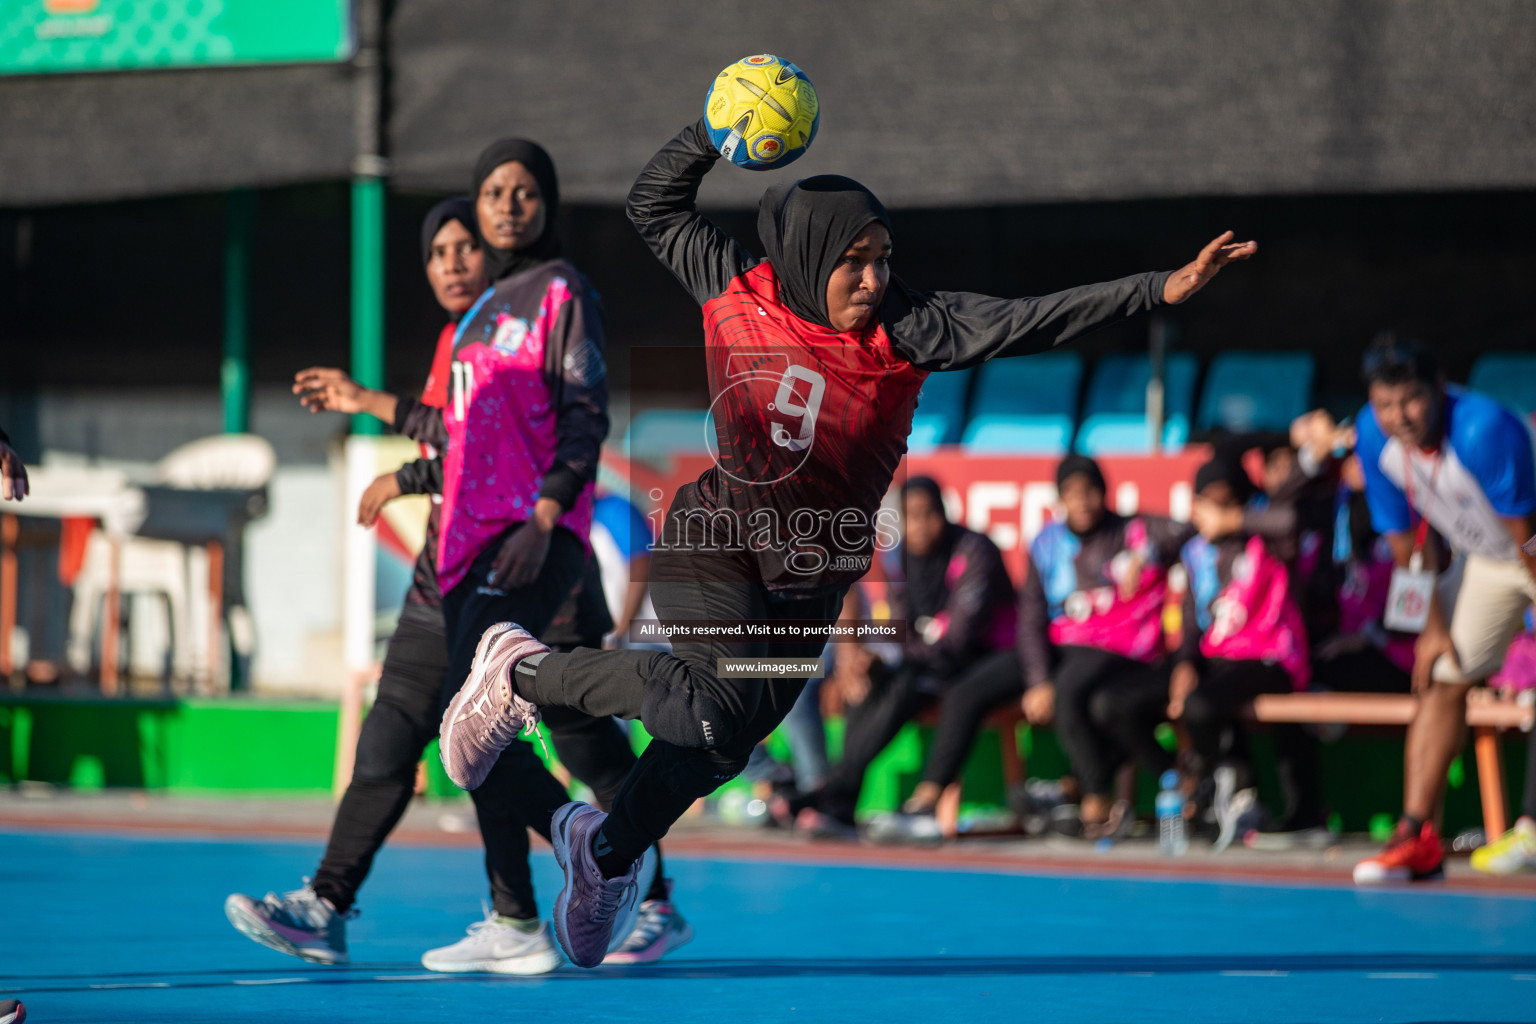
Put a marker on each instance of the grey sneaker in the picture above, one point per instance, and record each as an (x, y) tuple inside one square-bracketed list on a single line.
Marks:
[(658, 931), (593, 914), (486, 715), (901, 827), (299, 923), (1232, 807), (496, 947)]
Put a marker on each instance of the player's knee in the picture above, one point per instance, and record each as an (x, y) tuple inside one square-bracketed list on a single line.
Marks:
[(687, 714)]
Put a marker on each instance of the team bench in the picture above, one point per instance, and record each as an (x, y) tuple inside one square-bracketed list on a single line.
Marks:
[(1487, 715)]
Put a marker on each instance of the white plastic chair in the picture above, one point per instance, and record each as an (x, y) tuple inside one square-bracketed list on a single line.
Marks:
[(162, 568)]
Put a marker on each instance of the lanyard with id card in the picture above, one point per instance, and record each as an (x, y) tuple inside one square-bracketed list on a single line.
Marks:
[(1412, 588)]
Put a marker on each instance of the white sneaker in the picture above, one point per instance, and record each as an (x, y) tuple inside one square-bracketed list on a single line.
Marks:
[(495, 947)]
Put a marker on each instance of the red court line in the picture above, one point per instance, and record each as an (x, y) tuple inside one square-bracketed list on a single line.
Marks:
[(787, 851)]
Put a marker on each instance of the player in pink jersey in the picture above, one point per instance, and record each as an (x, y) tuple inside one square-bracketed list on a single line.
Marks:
[(815, 358)]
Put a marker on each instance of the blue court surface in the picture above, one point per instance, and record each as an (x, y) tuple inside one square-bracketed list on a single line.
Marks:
[(106, 928)]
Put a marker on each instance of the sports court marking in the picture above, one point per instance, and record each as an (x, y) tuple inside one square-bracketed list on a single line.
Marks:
[(130, 928)]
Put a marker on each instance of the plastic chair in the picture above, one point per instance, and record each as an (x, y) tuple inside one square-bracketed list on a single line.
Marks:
[(161, 569), (1115, 412), (1246, 391), (1025, 405), (1509, 377), (940, 413), (664, 433)]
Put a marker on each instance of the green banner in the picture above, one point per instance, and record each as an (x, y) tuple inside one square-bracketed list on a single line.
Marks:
[(41, 36)]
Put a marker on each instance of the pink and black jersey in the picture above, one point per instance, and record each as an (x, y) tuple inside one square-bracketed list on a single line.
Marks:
[(526, 413), (812, 423)]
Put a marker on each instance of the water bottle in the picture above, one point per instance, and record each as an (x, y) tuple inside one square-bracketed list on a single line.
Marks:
[(1172, 839)]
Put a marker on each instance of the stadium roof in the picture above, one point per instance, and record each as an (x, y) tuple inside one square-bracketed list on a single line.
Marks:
[(931, 104)]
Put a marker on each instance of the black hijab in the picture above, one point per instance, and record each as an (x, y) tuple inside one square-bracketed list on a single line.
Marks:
[(500, 263), (805, 228), (458, 208), (927, 587)]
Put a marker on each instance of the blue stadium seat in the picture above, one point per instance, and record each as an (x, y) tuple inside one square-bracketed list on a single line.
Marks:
[(1256, 391), (1508, 376), (940, 411), (1115, 412), (1025, 405), (664, 433)]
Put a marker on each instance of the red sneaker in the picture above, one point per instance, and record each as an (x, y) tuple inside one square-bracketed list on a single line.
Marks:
[(1406, 858)]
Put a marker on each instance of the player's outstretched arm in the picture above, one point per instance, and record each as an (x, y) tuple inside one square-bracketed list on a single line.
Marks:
[(663, 208), (328, 389), (953, 330)]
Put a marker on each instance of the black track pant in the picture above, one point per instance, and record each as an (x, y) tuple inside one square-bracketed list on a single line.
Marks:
[(703, 725), (1107, 708), (413, 689), (1211, 715), (993, 682), (896, 696)]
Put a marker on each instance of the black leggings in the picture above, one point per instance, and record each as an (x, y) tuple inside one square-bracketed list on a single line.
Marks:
[(518, 794), (1211, 716), (1107, 708), (896, 696), (704, 726)]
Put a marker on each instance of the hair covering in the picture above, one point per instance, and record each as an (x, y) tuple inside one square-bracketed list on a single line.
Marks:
[(500, 263), (805, 228), (927, 589), (1075, 464), (1229, 472), (458, 208)]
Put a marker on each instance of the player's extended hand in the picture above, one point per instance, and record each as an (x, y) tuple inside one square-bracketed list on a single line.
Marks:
[(13, 474), (521, 557), (1427, 649), (327, 389), (384, 489), (1193, 276)]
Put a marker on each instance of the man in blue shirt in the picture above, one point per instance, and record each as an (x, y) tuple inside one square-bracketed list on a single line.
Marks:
[(1447, 472)]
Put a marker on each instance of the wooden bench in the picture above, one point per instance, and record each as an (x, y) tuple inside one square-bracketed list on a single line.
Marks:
[(1487, 715)]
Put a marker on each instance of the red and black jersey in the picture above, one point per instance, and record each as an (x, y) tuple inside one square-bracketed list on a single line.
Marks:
[(812, 424)]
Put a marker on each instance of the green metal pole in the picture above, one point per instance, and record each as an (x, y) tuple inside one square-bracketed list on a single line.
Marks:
[(235, 371), (367, 291)]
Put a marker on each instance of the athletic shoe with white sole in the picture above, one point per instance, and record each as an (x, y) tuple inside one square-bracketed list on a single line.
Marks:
[(593, 914), (1407, 857), (487, 715), (1511, 854), (496, 946), (901, 827), (299, 923), (12, 1012), (658, 931)]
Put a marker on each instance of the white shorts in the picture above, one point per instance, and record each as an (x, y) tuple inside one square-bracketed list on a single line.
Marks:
[(1487, 600)]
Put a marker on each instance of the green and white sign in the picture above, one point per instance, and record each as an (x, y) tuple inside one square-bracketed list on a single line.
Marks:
[(42, 36)]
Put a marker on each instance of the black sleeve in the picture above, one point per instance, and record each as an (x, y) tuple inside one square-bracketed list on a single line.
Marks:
[(953, 330), (424, 476), (1190, 632), (420, 422), (662, 208), (971, 604), (1034, 638), (577, 372), (1168, 536)]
